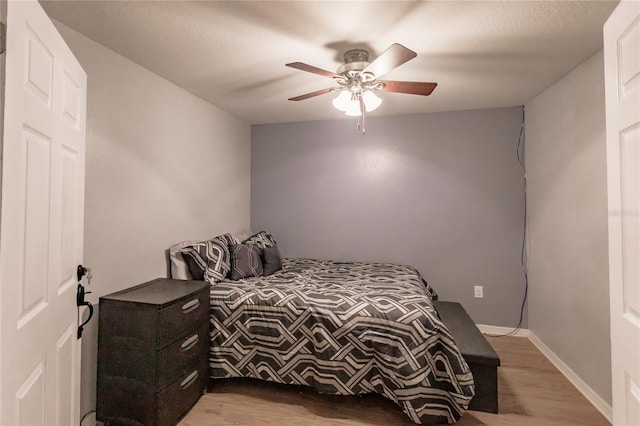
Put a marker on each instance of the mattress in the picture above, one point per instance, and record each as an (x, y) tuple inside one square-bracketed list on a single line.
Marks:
[(342, 328)]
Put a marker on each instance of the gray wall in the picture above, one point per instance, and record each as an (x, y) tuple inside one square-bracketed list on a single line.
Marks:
[(162, 166), (442, 192), (568, 243)]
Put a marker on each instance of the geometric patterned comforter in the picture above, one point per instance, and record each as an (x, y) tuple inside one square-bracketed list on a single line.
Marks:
[(342, 328)]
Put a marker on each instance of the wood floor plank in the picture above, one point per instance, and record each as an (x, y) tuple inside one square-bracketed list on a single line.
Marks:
[(532, 392)]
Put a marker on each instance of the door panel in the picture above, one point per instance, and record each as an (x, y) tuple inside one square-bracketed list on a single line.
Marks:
[(71, 100), (622, 87), (37, 154), (65, 364), (629, 60), (31, 398), (39, 68), (630, 186), (41, 222)]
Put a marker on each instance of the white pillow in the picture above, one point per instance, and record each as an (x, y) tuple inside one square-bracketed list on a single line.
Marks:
[(179, 268), (243, 234)]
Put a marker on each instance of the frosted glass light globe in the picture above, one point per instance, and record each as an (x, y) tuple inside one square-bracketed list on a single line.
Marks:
[(341, 102), (371, 101), (353, 110)]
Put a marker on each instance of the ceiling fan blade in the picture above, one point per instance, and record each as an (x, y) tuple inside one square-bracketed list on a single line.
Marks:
[(391, 58), (409, 87), (311, 68), (312, 94)]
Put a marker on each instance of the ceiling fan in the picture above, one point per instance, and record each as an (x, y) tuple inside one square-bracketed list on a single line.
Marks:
[(357, 79)]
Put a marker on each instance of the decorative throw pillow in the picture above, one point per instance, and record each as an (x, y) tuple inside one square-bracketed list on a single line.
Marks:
[(227, 238), (208, 260), (262, 239), (245, 261), (195, 263), (271, 260)]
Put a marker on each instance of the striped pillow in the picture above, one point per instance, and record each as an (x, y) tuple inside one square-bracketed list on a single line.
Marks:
[(227, 238), (208, 260), (245, 261), (262, 239)]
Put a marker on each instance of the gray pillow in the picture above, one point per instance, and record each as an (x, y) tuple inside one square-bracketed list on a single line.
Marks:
[(271, 260), (245, 261)]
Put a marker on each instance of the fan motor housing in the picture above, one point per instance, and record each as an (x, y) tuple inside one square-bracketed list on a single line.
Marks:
[(354, 60)]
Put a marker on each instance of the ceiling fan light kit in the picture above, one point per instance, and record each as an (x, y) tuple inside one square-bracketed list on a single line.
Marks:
[(349, 102), (357, 80)]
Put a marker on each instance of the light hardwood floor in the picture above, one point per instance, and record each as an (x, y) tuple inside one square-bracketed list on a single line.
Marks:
[(532, 392)]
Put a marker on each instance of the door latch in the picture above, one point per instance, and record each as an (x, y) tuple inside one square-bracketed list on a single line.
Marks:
[(81, 271), (80, 297)]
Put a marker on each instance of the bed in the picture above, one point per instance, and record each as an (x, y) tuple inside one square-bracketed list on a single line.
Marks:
[(342, 328)]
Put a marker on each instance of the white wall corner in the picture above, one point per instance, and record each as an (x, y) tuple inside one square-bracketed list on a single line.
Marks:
[(600, 404)]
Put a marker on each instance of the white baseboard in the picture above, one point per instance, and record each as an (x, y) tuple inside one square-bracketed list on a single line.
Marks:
[(595, 399), (600, 404), (499, 331)]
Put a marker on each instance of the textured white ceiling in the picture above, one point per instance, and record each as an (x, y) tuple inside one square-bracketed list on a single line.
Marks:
[(232, 53)]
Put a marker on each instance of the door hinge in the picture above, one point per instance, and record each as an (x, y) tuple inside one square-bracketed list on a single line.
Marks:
[(3, 37)]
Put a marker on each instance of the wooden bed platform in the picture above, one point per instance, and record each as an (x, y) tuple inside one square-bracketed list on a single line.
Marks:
[(482, 359)]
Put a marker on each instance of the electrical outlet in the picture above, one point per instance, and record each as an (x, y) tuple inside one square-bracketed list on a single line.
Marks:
[(478, 292)]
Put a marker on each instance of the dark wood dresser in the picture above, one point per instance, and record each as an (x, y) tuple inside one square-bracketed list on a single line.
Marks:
[(153, 343)]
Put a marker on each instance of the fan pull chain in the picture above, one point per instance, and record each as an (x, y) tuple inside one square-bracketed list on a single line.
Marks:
[(362, 110), (360, 126)]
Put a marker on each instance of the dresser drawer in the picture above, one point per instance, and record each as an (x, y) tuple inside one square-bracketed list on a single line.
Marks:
[(157, 312), (181, 317), (156, 369), (180, 396), (183, 356), (131, 402)]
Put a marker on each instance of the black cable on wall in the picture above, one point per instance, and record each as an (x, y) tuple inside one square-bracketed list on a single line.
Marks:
[(523, 260)]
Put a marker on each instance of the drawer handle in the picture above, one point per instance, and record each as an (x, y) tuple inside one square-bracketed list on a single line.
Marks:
[(190, 306), (191, 378), (190, 342)]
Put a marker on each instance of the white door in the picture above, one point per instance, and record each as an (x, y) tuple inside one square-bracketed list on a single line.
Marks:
[(41, 228), (622, 84)]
